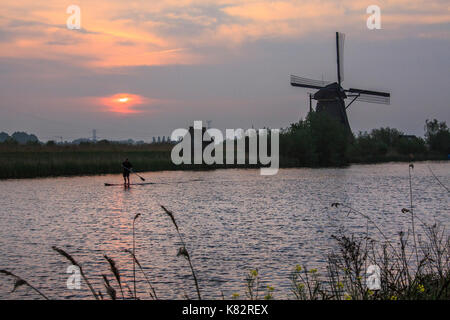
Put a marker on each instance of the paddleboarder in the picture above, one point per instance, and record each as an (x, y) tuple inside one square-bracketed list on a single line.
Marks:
[(127, 168)]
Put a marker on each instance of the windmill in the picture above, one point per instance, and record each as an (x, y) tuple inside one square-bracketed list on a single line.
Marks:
[(331, 96)]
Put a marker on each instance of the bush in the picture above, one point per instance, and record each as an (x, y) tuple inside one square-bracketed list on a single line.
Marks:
[(389, 137), (385, 143), (437, 136), (367, 145), (319, 140), (413, 145)]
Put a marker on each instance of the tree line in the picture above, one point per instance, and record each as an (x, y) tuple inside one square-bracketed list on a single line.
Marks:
[(319, 140)]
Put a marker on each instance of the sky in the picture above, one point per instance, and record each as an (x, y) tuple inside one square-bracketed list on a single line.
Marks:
[(138, 69)]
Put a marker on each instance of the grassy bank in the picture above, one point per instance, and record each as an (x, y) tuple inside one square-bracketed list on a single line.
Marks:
[(42, 161), (317, 141), (45, 164)]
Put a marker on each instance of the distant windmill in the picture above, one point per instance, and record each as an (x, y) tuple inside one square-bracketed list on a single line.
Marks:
[(331, 96)]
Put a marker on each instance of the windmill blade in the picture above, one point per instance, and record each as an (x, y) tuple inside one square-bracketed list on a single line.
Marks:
[(369, 92), (307, 83), (340, 38), (371, 96), (374, 99)]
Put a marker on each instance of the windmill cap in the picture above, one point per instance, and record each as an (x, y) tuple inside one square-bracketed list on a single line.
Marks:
[(330, 92)]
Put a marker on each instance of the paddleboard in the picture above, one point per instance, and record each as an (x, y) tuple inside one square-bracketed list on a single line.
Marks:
[(131, 184), (147, 183)]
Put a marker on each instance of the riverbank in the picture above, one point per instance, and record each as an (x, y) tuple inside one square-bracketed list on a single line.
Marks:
[(317, 141), (52, 161), (17, 162)]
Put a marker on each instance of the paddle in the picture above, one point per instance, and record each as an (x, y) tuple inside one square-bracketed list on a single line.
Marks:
[(133, 172)]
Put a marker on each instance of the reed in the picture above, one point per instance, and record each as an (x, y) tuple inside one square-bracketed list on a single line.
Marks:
[(183, 251), (109, 289), (407, 271), (134, 255), (152, 293), (115, 271), (75, 263), (18, 282), (345, 277)]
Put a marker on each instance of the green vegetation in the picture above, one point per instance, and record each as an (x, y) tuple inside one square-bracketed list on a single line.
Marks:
[(321, 141), (28, 161), (438, 136), (18, 137), (412, 268), (317, 141)]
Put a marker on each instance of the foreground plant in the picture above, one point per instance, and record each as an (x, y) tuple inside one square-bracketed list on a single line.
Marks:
[(75, 263), (252, 280), (183, 250), (306, 285), (18, 282)]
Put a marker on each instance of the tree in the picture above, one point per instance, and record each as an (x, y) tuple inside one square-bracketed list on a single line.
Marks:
[(319, 140), (437, 136), (411, 145), (371, 145), (387, 136), (4, 137), (24, 138)]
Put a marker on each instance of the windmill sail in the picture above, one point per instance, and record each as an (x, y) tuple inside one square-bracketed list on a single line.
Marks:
[(371, 96), (331, 97), (308, 83), (340, 39), (374, 99)]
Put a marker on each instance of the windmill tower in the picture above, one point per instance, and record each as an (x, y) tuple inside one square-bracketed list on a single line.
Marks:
[(331, 96)]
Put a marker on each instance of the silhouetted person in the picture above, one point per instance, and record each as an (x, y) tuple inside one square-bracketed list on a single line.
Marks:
[(127, 167)]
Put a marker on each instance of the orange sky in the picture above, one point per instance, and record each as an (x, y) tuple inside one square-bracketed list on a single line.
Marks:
[(126, 33), (222, 59)]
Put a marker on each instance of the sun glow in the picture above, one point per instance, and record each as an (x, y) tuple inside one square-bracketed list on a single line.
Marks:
[(123, 103)]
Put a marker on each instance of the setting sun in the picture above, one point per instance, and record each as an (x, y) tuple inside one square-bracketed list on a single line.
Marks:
[(123, 103)]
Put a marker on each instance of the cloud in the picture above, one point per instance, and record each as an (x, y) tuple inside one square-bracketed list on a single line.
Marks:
[(117, 33)]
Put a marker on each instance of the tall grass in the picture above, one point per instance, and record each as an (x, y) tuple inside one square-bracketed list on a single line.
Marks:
[(412, 268), (345, 277), (18, 282), (75, 263), (183, 250), (312, 143), (44, 164)]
